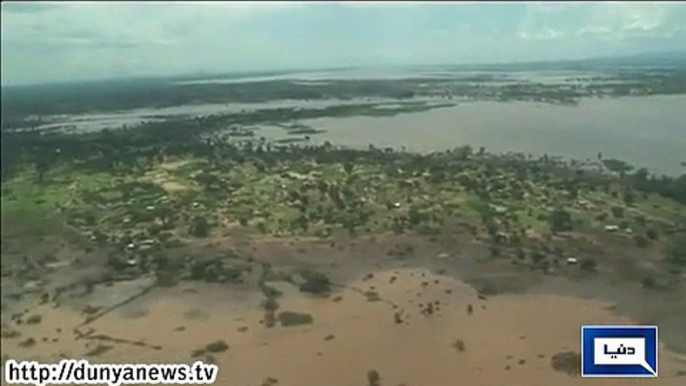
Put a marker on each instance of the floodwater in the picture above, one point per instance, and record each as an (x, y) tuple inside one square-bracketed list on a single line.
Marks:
[(645, 131), (80, 123), (404, 73), (506, 340)]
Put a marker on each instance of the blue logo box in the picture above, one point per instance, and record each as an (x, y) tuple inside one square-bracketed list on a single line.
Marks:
[(619, 351)]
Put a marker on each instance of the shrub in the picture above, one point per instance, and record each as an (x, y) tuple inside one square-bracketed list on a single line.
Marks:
[(560, 221), (269, 319), (567, 362), (537, 257), (372, 296), (459, 345), (617, 211), (217, 346), (649, 282), (289, 318), (315, 282), (165, 278), (373, 378), (641, 241), (601, 217), (402, 250), (588, 264), (676, 254), (270, 304), (199, 227), (160, 260)]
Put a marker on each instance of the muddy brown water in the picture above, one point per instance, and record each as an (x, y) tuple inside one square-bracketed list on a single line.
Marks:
[(508, 339), (645, 131)]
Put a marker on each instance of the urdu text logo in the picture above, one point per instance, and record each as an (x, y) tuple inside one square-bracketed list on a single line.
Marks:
[(619, 351)]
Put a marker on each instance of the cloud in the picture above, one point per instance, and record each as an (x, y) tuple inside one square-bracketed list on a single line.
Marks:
[(48, 41)]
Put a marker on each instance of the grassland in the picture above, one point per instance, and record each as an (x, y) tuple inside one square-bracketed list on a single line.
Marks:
[(326, 193)]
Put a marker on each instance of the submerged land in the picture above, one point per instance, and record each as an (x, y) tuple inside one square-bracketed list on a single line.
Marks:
[(165, 221)]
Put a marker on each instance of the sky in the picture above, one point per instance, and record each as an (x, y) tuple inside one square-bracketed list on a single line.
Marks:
[(53, 42)]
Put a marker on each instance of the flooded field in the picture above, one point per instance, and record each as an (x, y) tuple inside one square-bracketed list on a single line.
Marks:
[(98, 121), (411, 326), (645, 131)]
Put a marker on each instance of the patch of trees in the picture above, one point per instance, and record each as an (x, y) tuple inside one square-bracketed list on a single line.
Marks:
[(199, 227), (289, 318), (676, 254), (315, 282), (674, 188), (215, 270), (560, 221)]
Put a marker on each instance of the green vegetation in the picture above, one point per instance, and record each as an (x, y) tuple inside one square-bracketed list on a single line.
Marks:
[(99, 350), (588, 264), (288, 319), (34, 319), (24, 106), (459, 345), (214, 347), (676, 255), (144, 192), (217, 346), (373, 378), (315, 283), (567, 362), (372, 296), (617, 166), (560, 221)]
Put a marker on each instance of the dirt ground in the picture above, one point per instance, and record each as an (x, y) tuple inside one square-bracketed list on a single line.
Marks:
[(508, 338)]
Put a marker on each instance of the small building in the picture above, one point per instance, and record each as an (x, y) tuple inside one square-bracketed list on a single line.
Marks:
[(611, 228)]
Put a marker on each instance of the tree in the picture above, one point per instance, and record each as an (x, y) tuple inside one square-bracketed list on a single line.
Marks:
[(373, 378), (617, 166), (617, 211), (463, 152), (208, 180), (415, 215), (348, 167), (641, 241), (588, 264), (199, 227), (42, 166), (628, 197), (315, 282), (537, 257), (166, 214), (560, 221), (676, 253)]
